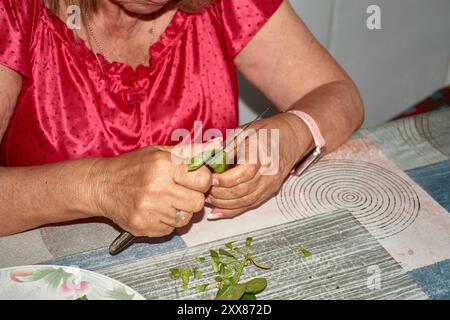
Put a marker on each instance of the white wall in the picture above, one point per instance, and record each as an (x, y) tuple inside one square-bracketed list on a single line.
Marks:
[(394, 67), (317, 14), (448, 74), (400, 64)]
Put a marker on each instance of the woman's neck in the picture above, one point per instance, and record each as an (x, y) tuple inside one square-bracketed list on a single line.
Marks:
[(123, 36), (116, 20)]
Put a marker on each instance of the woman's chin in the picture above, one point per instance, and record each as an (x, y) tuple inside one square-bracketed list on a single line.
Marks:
[(141, 10), (142, 7)]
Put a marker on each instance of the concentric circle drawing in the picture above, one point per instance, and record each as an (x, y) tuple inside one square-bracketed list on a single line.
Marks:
[(382, 201), (432, 126)]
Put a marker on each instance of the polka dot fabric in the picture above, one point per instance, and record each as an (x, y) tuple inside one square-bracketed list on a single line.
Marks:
[(69, 109), (17, 19)]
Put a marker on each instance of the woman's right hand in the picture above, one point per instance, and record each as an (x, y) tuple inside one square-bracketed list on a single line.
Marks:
[(142, 191)]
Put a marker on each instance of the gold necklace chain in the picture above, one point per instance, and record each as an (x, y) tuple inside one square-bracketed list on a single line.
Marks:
[(100, 46)]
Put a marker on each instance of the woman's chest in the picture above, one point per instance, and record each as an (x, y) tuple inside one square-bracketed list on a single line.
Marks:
[(77, 105)]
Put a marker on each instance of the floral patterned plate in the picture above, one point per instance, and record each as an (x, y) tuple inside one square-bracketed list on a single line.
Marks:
[(60, 283)]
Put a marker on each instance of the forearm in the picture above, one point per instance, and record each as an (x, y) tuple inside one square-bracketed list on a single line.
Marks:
[(336, 107), (35, 196)]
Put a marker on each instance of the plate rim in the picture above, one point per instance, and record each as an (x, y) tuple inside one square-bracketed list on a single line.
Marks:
[(96, 274)]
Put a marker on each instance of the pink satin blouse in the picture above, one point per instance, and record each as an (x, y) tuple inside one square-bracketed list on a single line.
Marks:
[(69, 109)]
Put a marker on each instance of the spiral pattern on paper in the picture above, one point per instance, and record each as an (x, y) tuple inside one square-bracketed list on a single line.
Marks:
[(382, 201)]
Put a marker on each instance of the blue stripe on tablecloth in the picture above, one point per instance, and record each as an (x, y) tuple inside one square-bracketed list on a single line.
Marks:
[(100, 258), (434, 280), (435, 180)]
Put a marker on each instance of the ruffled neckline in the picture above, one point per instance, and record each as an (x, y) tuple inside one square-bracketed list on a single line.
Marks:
[(166, 40)]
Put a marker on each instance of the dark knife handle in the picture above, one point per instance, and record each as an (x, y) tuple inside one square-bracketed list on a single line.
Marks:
[(121, 243)]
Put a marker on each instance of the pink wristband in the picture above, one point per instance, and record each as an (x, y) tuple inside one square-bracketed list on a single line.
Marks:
[(313, 127)]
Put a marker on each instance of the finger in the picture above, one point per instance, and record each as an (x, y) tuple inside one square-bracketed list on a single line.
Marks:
[(188, 151), (187, 200), (218, 214), (237, 175), (199, 180), (180, 219), (237, 192), (148, 226), (167, 212), (248, 200)]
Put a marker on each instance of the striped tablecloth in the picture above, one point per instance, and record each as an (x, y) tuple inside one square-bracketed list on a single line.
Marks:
[(379, 206)]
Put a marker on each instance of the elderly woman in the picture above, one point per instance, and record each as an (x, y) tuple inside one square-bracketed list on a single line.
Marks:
[(84, 110)]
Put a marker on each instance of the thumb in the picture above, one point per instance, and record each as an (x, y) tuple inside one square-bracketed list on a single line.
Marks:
[(199, 148)]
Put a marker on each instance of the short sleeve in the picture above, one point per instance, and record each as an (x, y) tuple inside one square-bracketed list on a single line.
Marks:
[(17, 20), (242, 19)]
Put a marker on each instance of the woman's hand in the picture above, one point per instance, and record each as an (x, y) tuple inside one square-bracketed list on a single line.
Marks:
[(142, 191), (251, 183)]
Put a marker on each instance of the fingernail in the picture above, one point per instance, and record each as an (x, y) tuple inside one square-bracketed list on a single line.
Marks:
[(215, 216), (215, 182)]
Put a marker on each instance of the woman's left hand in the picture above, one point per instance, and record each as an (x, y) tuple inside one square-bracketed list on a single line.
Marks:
[(251, 183)]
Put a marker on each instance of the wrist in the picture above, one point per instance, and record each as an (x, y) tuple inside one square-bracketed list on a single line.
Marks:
[(87, 187), (301, 140)]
